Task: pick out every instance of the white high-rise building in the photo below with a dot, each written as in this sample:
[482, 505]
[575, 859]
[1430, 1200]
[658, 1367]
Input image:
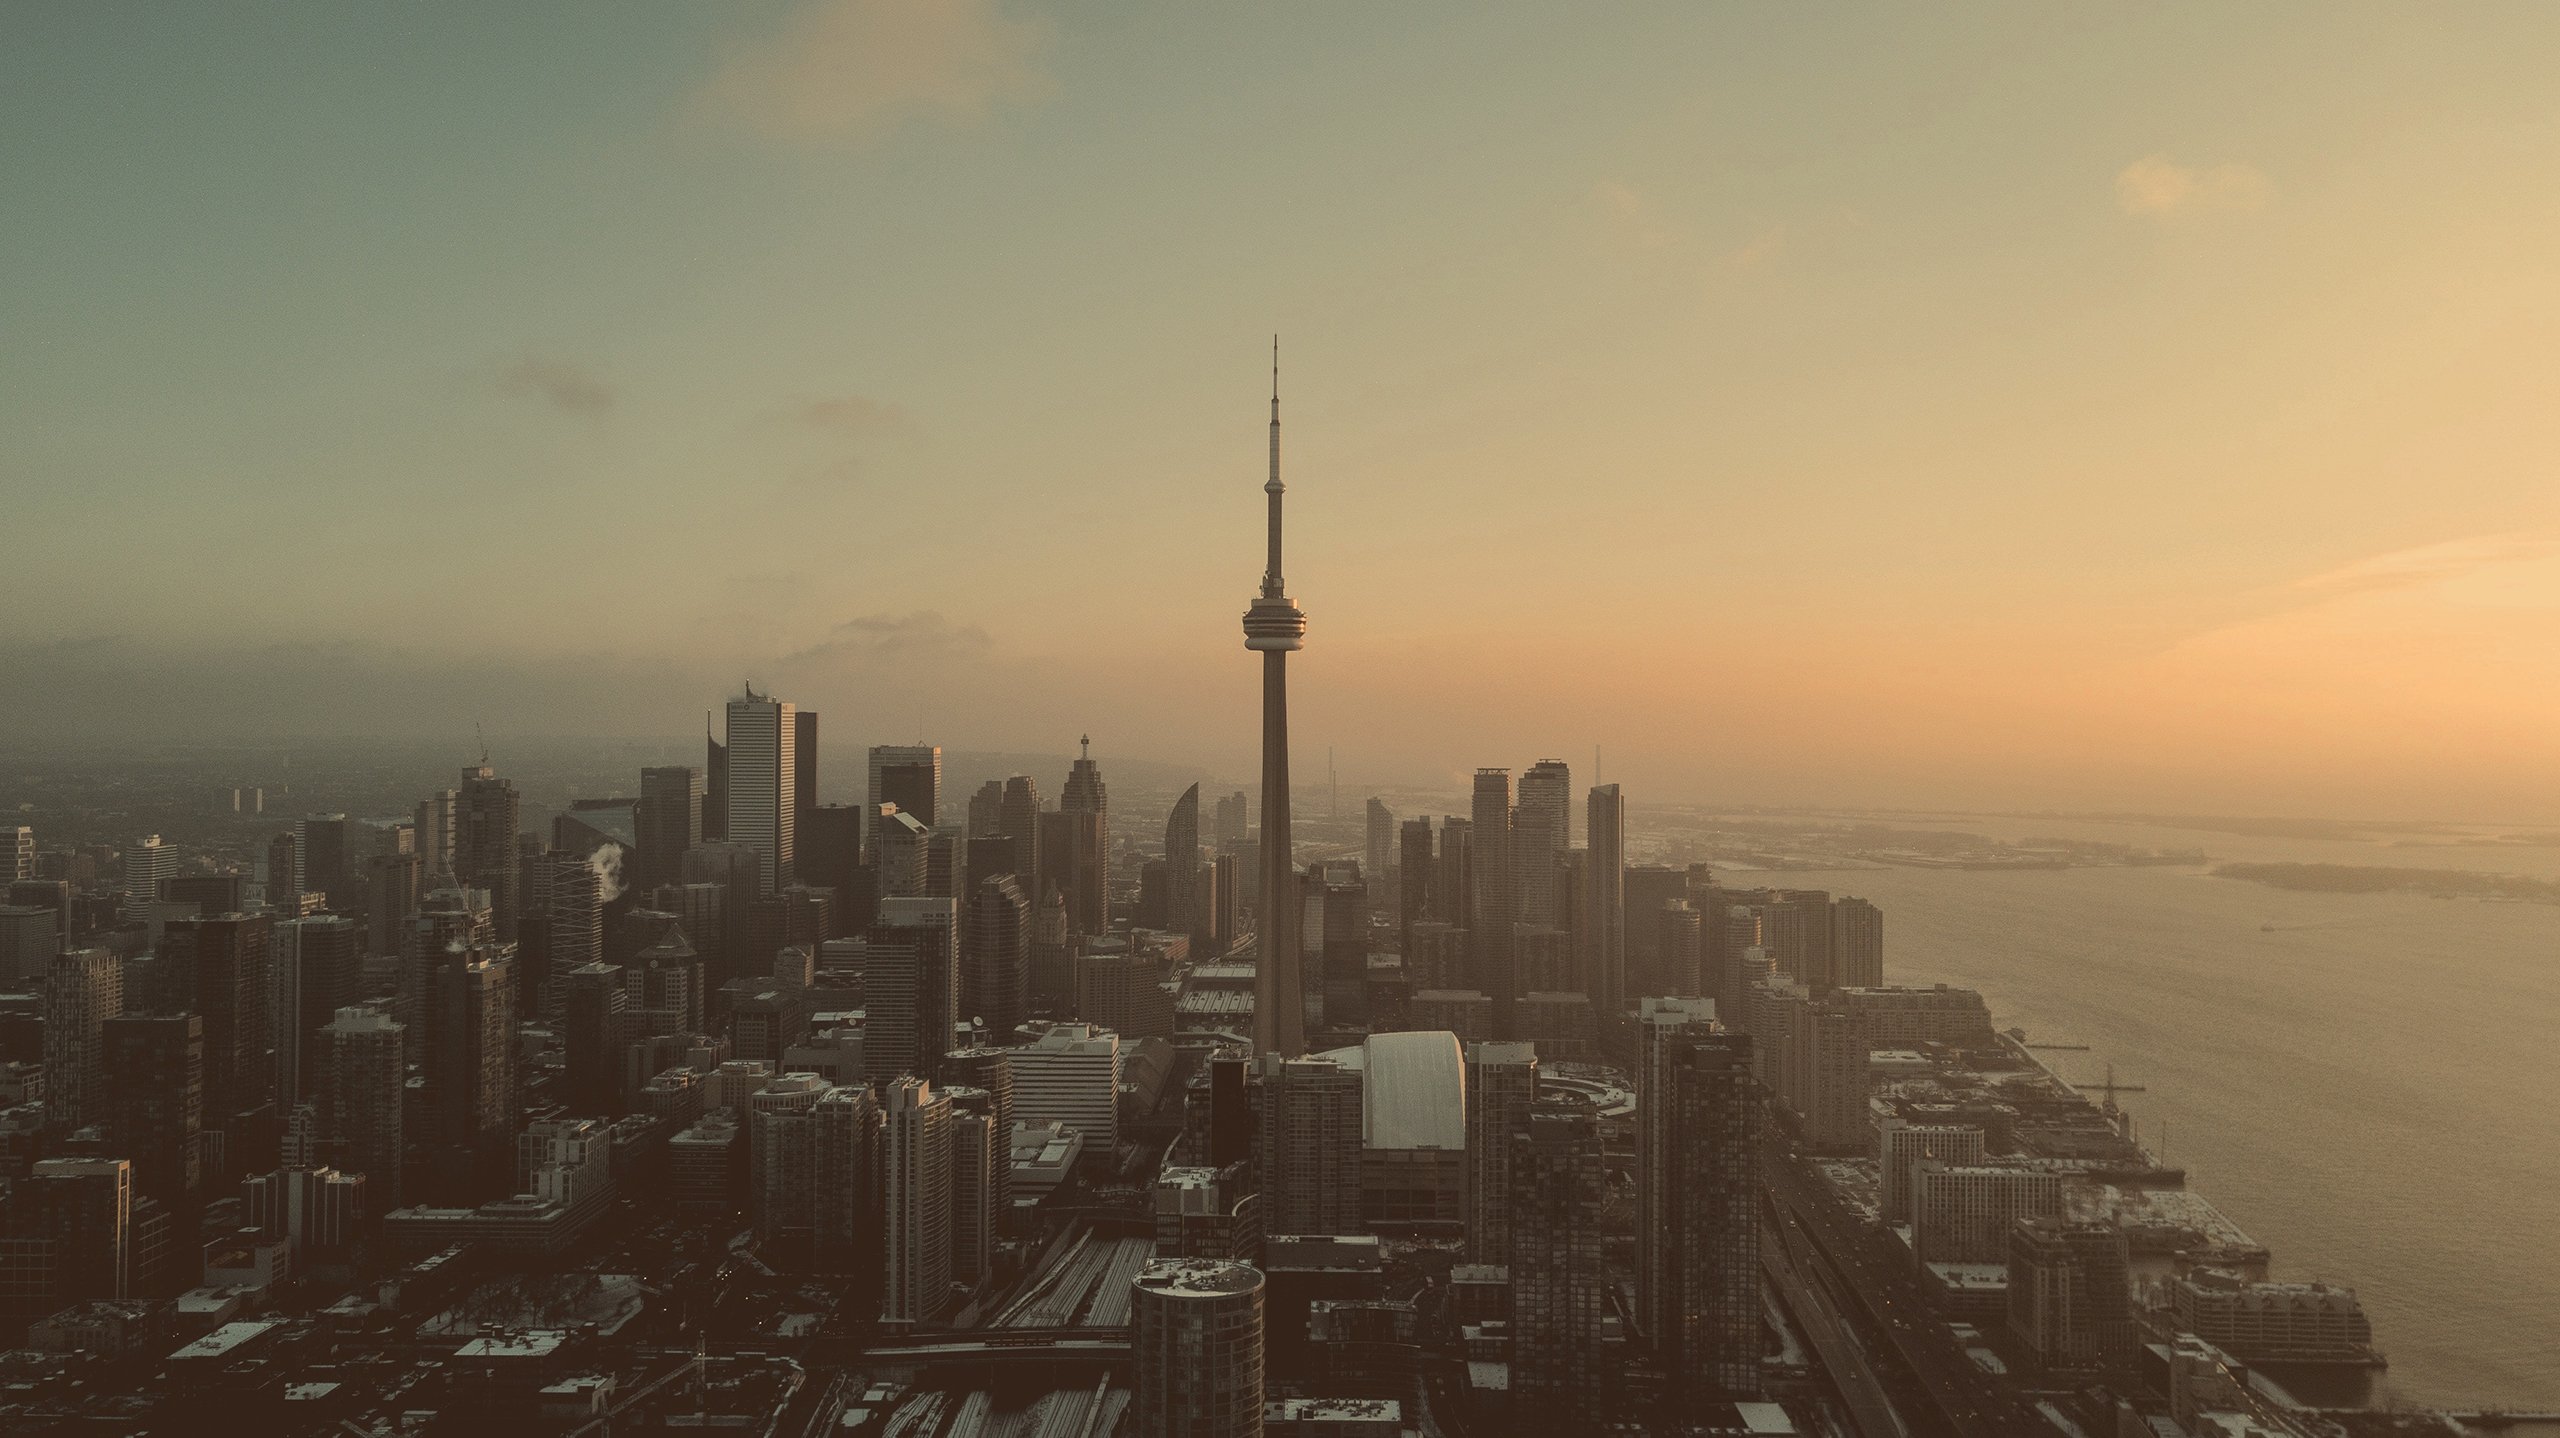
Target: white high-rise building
[146, 862]
[17, 852]
[761, 783]
[916, 1217]
[434, 836]
[1071, 1074]
[1901, 1145]
[1962, 1213]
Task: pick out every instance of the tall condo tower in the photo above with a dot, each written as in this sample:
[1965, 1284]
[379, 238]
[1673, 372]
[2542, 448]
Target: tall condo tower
[1273, 627]
[762, 780]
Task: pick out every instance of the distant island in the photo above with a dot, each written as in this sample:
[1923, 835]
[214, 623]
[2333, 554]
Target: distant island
[2361, 879]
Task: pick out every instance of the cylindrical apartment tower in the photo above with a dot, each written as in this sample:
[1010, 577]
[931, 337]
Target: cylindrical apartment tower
[1199, 1348]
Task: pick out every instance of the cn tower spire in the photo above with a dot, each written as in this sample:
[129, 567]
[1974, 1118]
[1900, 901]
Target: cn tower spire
[1272, 627]
[1272, 584]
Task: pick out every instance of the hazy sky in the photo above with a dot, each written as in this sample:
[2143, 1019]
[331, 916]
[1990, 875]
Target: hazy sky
[2148, 406]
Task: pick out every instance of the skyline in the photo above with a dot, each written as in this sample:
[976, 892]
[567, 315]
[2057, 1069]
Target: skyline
[1829, 435]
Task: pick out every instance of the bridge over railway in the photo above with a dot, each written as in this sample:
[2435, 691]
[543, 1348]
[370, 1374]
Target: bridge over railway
[978, 1347]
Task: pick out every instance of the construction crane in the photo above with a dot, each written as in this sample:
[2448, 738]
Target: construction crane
[2111, 1088]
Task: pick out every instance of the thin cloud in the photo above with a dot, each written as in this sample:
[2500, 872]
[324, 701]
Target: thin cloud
[851, 71]
[2158, 186]
[2430, 563]
[1631, 216]
[854, 415]
[922, 634]
[1756, 252]
[564, 386]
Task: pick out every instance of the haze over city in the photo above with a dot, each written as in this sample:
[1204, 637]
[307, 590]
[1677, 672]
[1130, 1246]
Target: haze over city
[2124, 409]
[980, 719]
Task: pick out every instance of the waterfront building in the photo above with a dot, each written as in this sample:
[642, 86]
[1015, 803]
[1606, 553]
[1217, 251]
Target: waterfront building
[1962, 1213]
[1900, 1145]
[2070, 1302]
[1857, 943]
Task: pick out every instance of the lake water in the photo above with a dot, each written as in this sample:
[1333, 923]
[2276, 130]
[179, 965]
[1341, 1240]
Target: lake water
[2369, 1084]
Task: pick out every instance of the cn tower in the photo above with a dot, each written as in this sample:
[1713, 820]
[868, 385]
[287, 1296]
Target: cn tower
[1274, 626]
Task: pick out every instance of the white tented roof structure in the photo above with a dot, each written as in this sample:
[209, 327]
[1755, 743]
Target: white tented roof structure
[1414, 1090]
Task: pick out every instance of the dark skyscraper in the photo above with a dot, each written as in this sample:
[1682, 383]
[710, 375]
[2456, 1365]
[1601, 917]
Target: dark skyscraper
[154, 1111]
[831, 858]
[393, 884]
[320, 965]
[1541, 827]
[804, 768]
[470, 1099]
[671, 801]
[1664, 1026]
[1086, 875]
[83, 989]
[358, 1084]
[1857, 944]
[1273, 626]
[995, 956]
[910, 988]
[325, 857]
[1605, 904]
[1231, 819]
[715, 784]
[1708, 1254]
[1559, 1284]
[1071, 853]
[1019, 820]
[1493, 911]
[224, 970]
[594, 1001]
[986, 810]
[909, 776]
[1182, 907]
[1414, 870]
[486, 817]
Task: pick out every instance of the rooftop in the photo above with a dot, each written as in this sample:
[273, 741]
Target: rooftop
[1415, 1096]
[1198, 1277]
